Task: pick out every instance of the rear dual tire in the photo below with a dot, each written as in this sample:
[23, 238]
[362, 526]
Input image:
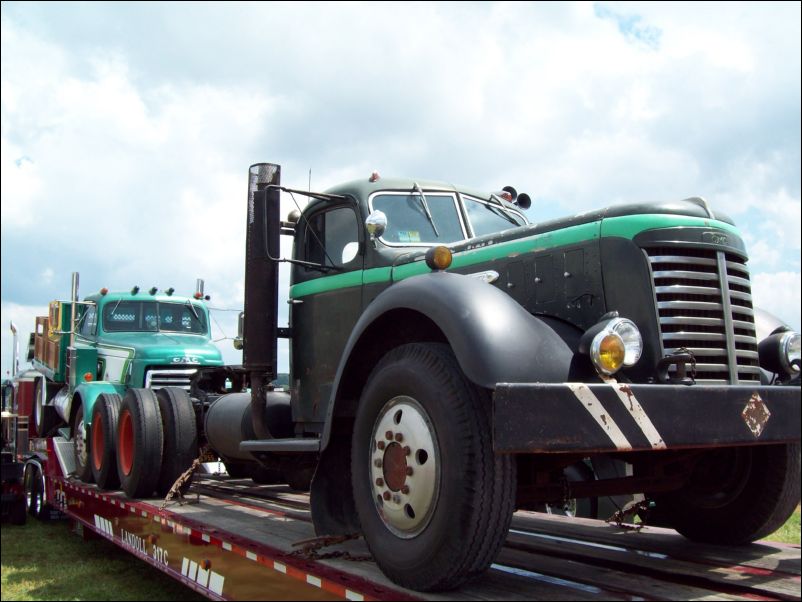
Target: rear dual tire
[157, 440]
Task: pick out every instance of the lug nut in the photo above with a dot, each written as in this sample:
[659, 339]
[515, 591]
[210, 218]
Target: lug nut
[377, 463]
[405, 490]
[399, 437]
[397, 499]
[380, 482]
[380, 445]
[386, 496]
[388, 435]
[409, 471]
[407, 450]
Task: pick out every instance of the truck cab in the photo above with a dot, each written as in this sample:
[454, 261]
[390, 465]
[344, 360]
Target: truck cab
[111, 342]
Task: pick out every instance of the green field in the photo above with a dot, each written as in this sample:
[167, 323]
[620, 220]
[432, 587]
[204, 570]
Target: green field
[42, 561]
[49, 562]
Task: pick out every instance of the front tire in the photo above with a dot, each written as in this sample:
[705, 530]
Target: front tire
[434, 501]
[105, 414]
[736, 496]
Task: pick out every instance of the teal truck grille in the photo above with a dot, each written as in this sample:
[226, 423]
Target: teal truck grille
[157, 378]
[704, 304]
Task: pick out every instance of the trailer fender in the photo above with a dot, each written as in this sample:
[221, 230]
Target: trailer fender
[493, 337]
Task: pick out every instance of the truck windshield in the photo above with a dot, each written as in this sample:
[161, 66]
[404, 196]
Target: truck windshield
[408, 222]
[487, 217]
[154, 316]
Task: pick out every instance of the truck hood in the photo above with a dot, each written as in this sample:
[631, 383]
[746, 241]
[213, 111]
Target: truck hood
[168, 348]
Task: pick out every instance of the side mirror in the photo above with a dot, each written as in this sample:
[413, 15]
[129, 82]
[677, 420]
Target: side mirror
[376, 224]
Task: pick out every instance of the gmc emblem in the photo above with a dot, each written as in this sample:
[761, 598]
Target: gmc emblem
[187, 359]
[716, 238]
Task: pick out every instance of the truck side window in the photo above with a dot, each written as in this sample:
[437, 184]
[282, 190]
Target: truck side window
[338, 231]
[89, 322]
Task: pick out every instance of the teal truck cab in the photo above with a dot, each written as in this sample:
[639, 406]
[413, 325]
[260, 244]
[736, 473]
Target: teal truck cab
[108, 343]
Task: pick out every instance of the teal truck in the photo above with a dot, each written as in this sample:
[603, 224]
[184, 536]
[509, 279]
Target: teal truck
[108, 343]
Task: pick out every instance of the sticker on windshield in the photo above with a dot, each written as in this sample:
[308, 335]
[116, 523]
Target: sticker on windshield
[408, 236]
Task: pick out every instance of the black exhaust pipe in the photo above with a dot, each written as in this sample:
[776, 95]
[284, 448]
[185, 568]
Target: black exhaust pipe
[260, 330]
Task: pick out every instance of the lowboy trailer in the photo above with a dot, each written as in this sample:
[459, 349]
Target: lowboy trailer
[231, 540]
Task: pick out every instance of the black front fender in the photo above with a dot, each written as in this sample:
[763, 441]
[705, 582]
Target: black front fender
[493, 338]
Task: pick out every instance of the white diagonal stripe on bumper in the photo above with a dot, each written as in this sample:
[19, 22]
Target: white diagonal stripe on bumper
[639, 415]
[594, 407]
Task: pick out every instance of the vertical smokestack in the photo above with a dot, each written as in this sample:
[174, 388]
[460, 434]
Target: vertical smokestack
[73, 307]
[199, 284]
[15, 361]
[259, 352]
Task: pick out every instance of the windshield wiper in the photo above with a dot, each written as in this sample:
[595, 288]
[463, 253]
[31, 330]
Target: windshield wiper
[501, 210]
[428, 213]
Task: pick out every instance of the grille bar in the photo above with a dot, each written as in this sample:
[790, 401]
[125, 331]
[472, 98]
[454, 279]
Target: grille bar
[704, 305]
[157, 379]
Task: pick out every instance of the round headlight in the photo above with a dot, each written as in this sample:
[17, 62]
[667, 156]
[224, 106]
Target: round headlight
[607, 352]
[790, 350]
[633, 341]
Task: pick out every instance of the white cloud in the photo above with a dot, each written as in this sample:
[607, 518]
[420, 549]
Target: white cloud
[126, 159]
[779, 293]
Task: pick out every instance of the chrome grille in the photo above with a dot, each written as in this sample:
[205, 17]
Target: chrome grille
[169, 377]
[704, 305]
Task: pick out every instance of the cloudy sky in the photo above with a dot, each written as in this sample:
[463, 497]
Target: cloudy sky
[127, 129]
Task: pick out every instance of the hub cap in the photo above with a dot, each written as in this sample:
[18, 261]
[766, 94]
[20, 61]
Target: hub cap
[80, 442]
[404, 466]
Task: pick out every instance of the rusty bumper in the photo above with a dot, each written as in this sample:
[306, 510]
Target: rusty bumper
[592, 418]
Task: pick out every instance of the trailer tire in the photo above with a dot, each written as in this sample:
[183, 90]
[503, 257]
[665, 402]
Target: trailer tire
[105, 416]
[736, 495]
[435, 522]
[180, 437]
[36, 499]
[139, 443]
[82, 452]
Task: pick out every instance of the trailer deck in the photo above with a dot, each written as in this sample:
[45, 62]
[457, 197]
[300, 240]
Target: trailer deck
[231, 539]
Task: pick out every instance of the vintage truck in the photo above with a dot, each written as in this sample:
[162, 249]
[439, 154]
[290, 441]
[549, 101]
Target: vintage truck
[449, 361]
[104, 345]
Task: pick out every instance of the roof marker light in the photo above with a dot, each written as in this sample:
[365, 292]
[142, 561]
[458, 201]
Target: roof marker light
[104, 291]
[153, 290]
[374, 176]
[170, 291]
[135, 290]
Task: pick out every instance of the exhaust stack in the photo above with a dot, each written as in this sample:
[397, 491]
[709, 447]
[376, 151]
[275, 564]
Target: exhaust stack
[260, 328]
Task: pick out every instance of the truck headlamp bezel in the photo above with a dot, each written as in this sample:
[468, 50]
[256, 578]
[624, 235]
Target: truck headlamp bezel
[613, 343]
[790, 351]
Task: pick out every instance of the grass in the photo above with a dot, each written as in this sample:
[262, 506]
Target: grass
[789, 532]
[48, 562]
[44, 561]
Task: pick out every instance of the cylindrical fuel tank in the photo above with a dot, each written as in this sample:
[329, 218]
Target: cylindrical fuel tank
[229, 422]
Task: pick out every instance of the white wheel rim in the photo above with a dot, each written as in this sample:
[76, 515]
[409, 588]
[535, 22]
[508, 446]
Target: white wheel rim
[80, 442]
[404, 467]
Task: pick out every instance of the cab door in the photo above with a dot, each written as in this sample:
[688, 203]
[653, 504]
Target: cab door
[324, 305]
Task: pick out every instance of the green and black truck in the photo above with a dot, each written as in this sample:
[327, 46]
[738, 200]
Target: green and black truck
[449, 361]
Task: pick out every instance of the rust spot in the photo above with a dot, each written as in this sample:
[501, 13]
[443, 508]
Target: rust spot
[756, 414]
[395, 467]
[628, 390]
[603, 418]
[206, 564]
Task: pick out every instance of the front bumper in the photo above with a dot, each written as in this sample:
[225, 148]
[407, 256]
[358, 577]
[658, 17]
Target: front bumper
[597, 418]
